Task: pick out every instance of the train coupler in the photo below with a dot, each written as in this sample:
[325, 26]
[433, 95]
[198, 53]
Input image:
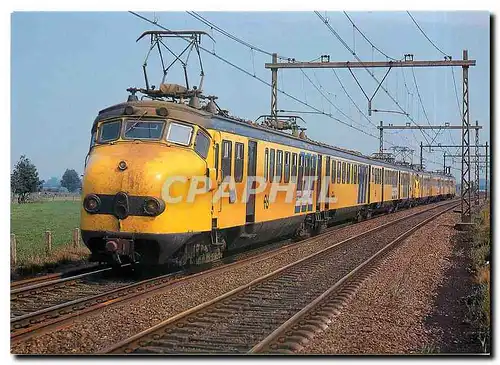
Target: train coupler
[119, 247]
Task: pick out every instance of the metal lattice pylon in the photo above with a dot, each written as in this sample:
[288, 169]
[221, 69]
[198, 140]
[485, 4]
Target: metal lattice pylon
[465, 181]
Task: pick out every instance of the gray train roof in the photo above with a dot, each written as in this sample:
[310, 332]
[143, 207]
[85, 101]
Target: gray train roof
[275, 136]
[247, 129]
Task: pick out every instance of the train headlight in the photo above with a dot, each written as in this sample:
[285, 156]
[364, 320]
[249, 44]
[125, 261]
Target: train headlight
[92, 203]
[153, 206]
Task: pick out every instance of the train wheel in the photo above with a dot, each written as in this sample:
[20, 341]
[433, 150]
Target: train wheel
[359, 216]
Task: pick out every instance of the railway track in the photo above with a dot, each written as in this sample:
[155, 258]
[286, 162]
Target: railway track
[39, 320]
[17, 284]
[281, 310]
[27, 300]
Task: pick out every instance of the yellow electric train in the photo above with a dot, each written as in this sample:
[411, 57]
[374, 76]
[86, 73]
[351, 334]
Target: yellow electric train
[136, 146]
[169, 180]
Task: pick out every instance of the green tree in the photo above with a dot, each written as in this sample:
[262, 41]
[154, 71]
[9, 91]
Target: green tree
[53, 182]
[71, 180]
[24, 179]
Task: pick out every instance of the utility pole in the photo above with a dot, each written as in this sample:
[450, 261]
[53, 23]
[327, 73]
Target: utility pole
[408, 61]
[486, 175]
[465, 181]
[274, 89]
[421, 156]
[381, 138]
[476, 169]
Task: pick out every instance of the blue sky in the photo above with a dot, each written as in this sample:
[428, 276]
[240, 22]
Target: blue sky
[65, 67]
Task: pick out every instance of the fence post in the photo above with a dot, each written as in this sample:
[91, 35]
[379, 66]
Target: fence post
[13, 250]
[48, 242]
[76, 237]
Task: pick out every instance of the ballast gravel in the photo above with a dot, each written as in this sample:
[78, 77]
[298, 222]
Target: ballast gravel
[387, 314]
[95, 333]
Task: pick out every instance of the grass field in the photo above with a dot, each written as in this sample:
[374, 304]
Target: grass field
[30, 221]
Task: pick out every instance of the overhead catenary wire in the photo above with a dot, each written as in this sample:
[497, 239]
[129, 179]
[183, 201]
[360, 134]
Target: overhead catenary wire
[425, 35]
[213, 53]
[368, 40]
[452, 70]
[231, 36]
[253, 47]
[332, 30]
[327, 99]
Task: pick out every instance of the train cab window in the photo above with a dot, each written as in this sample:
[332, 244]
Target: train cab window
[271, 165]
[239, 153]
[135, 129]
[92, 139]
[334, 171]
[109, 131]
[201, 144]
[294, 167]
[344, 168]
[179, 133]
[339, 171]
[301, 173]
[266, 164]
[286, 171]
[227, 147]
[279, 165]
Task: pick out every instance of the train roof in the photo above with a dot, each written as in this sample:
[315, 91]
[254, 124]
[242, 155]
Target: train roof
[246, 128]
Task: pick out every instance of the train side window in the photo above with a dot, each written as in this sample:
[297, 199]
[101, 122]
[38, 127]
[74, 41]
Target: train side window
[327, 168]
[239, 153]
[339, 171]
[271, 165]
[227, 151]
[287, 167]
[294, 167]
[334, 171]
[307, 165]
[201, 144]
[266, 164]
[348, 173]
[279, 165]
[312, 172]
[216, 164]
[355, 174]
[301, 173]
[344, 168]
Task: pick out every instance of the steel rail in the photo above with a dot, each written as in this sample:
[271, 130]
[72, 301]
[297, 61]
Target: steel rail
[279, 336]
[23, 289]
[132, 343]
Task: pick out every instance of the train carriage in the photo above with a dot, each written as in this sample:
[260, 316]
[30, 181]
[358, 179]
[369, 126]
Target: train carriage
[138, 145]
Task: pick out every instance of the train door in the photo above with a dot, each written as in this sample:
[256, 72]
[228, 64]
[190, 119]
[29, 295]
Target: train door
[382, 177]
[327, 182]
[369, 176]
[318, 184]
[362, 184]
[251, 183]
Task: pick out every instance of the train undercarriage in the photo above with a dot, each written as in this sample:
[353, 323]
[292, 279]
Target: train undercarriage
[197, 248]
